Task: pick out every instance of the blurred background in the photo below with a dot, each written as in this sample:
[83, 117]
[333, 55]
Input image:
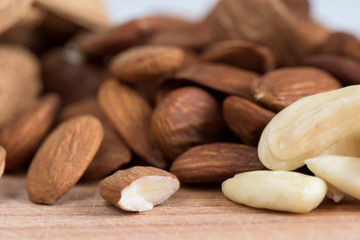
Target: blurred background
[337, 15]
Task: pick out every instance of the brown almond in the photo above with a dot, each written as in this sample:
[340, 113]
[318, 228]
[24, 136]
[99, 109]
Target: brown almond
[226, 79]
[281, 87]
[19, 80]
[2, 160]
[63, 158]
[241, 54]
[113, 153]
[138, 188]
[130, 114]
[22, 135]
[346, 70]
[11, 11]
[145, 63]
[301, 8]
[68, 75]
[245, 119]
[215, 162]
[186, 117]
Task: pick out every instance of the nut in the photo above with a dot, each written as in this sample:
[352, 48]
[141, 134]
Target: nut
[138, 188]
[63, 158]
[2, 160]
[130, 115]
[308, 127]
[276, 190]
[280, 88]
[215, 162]
[186, 117]
[11, 11]
[226, 79]
[245, 119]
[145, 63]
[346, 146]
[22, 136]
[340, 171]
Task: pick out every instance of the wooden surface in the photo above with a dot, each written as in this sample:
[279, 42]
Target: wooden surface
[198, 212]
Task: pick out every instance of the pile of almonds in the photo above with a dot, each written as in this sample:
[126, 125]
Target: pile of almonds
[160, 100]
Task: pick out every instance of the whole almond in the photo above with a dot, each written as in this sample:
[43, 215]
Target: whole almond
[113, 153]
[11, 11]
[138, 188]
[2, 160]
[19, 88]
[63, 158]
[130, 114]
[241, 54]
[226, 79]
[346, 70]
[21, 136]
[186, 117]
[215, 162]
[279, 88]
[145, 63]
[245, 119]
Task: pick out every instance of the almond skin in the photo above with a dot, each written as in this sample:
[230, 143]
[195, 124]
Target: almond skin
[145, 63]
[130, 115]
[226, 79]
[2, 160]
[63, 158]
[113, 153]
[215, 162]
[112, 188]
[21, 136]
[186, 117]
[241, 54]
[281, 87]
[245, 119]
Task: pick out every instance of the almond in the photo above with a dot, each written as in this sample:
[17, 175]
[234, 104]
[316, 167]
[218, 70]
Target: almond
[63, 158]
[2, 160]
[226, 79]
[130, 114]
[245, 119]
[21, 136]
[281, 87]
[301, 8]
[145, 63]
[186, 117]
[19, 88]
[138, 188]
[241, 54]
[215, 162]
[113, 153]
[11, 11]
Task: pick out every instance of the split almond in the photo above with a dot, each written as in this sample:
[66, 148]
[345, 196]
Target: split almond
[113, 153]
[186, 117]
[138, 188]
[145, 63]
[241, 54]
[215, 162]
[63, 158]
[2, 160]
[245, 119]
[21, 136]
[226, 79]
[280, 88]
[130, 114]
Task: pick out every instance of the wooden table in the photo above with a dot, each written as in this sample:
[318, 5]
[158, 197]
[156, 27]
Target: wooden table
[197, 212]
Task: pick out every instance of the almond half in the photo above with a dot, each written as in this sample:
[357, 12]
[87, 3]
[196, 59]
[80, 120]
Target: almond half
[138, 188]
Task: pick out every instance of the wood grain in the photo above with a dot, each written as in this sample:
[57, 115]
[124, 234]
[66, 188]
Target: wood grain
[199, 212]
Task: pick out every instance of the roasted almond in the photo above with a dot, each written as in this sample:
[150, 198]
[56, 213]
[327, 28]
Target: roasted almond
[241, 54]
[130, 114]
[245, 119]
[226, 79]
[215, 162]
[113, 153]
[145, 63]
[347, 71]
[2, 160]
[279, 88]
[138, 188]
[19, 88]
[63, 158]
[11, 11]
[186, 117]
[22, 135]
